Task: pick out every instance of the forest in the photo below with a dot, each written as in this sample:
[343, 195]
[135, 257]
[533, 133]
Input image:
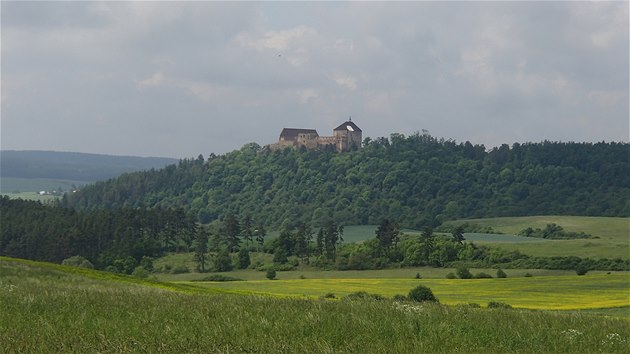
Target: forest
[35, 231]
[221, 207]
[126, 240]
[417, 180]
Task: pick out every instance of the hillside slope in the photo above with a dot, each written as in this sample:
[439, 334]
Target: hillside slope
[73, 165]
[417, 180]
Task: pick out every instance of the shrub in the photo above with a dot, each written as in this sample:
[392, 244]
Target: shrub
[581, 270]
[464, 273]
[329, 296]
[140, 272]
[218, 277]
[399, 298]
[78, 261]
[470, 305]
[302, 276]
[147, 263]
[451, 275]
[271, 274]
[482, 275]
[362, 295]
[283, 267]
[528, 275]
[421, 293]
[418, 276]
[180, 270]
[498, 305]
[501, 273]
[222, 262]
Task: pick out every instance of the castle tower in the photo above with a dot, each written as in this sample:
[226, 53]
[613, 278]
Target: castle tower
[348, 135]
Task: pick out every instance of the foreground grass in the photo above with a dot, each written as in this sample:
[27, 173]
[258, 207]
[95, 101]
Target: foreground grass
[50, 310]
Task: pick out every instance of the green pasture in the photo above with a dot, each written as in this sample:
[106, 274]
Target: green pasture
[50, 308]
[543, 293]
[606, 228]
[612, 236]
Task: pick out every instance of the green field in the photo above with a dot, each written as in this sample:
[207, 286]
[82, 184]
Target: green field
[51, 308]
[544, 293]
[612, 236]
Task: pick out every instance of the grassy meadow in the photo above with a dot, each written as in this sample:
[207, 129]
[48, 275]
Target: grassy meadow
[612, 236]
[544, 293]
[60, 309]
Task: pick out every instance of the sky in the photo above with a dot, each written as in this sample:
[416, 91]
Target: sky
[179, 79]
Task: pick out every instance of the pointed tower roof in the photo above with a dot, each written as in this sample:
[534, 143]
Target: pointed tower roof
[348, 126]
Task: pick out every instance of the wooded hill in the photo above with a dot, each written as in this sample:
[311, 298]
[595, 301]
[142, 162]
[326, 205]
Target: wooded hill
[418, 180]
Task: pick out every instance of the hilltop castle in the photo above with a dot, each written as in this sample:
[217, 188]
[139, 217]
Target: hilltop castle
[344, 137]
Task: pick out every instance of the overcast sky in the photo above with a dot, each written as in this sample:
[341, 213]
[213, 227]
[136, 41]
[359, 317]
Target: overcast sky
[178, 79]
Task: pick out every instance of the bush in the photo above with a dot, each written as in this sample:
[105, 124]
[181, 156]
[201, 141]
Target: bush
[140, 272]
[329, 296]
[501, 273]
[78, 261]
[222, 262]
[271, 274]
[180, 270]
[418, 276]
[470, 305]
[528, 275]
[362, 295]
[421, 293]
[482, 275]
[218, 277]
[399, 298]
[302, 276]
[581, 270]
[498, 305]
[451, 275]
[147, 263]
[464, 273]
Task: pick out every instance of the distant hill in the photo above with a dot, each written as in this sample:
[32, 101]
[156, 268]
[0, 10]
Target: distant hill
[417, 180]
[73, 165]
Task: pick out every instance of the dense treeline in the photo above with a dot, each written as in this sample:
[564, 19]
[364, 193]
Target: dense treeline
[418, 180]
[121, 240]
[391, 248]
[35, 231]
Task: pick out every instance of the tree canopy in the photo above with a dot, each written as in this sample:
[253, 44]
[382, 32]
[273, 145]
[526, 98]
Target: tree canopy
[418, 180]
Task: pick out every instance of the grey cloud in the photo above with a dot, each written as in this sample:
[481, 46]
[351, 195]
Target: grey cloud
[178, 79]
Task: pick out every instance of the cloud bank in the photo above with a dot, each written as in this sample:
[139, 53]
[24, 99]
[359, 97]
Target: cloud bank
[180, 79]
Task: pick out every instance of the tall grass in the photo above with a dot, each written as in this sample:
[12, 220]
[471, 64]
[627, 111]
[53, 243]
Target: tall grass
[50, 310]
